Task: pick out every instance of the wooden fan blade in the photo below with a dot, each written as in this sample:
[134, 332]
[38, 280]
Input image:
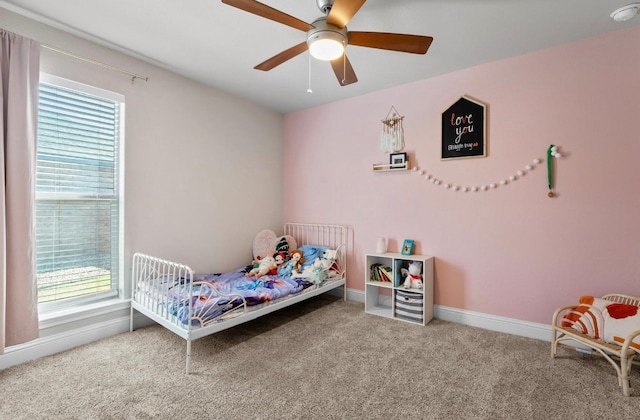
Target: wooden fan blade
[416, 44]
[343, 70]
[343, 11]
[285, 55]
[265, 11]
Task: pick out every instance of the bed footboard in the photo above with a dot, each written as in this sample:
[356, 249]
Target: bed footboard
[157, 283]
[153, 281]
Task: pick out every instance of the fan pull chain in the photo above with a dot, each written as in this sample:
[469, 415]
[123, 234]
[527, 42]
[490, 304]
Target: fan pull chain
[309, 88]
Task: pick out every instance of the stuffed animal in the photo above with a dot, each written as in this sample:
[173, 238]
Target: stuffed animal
[329, 258]
[413, 275]
[294, 263]
[317, 272]
[265, 265]
[313, 273]
[279, 258]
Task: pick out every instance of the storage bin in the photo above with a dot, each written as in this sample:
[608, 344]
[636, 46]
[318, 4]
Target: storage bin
[409, 306]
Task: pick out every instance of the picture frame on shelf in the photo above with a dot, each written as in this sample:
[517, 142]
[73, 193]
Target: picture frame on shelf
[407, 247]
[397, 160]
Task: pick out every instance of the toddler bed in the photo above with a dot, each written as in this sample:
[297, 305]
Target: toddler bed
[196, 305]
[609, 326]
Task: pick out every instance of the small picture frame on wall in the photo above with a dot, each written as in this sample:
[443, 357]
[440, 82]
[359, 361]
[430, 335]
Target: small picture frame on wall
[397, 160]
[407, 247]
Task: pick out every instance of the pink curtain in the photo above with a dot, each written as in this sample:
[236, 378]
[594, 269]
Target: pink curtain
[20, 72]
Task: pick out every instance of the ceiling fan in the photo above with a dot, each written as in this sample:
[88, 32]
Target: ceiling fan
[327, 36]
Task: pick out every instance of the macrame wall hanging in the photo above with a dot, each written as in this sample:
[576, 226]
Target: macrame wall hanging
[392, 136]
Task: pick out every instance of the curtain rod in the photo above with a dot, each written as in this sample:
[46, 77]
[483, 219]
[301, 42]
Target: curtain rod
[134, 76]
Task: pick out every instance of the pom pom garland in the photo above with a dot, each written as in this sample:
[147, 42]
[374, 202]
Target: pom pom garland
[554, 152]
[487, 187]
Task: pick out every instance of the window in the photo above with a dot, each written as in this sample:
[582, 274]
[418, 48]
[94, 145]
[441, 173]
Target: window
[78, 194]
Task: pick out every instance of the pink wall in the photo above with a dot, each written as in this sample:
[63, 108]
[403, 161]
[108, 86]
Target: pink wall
[511, 251]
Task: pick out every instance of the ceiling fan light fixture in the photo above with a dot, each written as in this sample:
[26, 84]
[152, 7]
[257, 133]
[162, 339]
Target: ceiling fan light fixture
[625, 12]
[325, 41]
[326, 46]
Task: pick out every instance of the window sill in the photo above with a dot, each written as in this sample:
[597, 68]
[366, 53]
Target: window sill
[69, 315]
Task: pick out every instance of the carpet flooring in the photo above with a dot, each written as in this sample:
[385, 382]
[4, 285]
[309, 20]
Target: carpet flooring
[320, 359]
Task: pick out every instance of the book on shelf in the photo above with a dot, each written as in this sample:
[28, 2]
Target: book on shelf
[375, 274]
[380, 272]
[399, 266]
[385, 273]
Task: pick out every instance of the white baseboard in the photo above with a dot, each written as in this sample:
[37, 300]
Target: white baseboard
[56, 343]
[67, 340]
[494, 323]
[477, 319]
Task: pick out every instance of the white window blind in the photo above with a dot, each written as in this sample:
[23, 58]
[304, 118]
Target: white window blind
[77, 195]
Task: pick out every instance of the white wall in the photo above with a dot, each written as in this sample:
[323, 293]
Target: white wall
[203, 169]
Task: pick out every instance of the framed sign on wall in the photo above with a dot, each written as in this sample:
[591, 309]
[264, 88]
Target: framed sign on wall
[463, 130]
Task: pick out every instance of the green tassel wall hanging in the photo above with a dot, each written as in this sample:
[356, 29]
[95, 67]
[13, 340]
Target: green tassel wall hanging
[552, 152]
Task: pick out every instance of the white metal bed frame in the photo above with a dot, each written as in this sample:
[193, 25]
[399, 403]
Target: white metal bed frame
[149, 292]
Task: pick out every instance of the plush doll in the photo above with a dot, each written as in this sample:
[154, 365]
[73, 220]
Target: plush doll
[282, 247]
[279, 259]
[313, 273]
[294, 263]
[318, 271]
[413, 275]
[265, 265]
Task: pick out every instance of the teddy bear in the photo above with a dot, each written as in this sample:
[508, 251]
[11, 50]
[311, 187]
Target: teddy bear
[413, 275]
[317, 272]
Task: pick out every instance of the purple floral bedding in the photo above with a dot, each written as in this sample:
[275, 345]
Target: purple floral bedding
[207, 305]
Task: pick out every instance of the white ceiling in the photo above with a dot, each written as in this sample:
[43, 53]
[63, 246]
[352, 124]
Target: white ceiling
[219, 45]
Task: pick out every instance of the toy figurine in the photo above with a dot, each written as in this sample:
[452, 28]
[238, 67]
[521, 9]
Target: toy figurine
[413, 275]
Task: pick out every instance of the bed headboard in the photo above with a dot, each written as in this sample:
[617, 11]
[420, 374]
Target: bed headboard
[333, 236]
